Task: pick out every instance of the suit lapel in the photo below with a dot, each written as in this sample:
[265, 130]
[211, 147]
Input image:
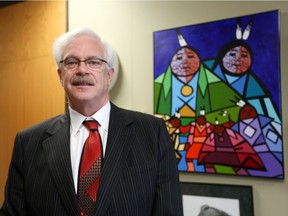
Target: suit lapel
[57, 151]
[118, 144]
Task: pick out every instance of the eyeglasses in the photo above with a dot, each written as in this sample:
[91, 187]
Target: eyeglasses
[92, 63]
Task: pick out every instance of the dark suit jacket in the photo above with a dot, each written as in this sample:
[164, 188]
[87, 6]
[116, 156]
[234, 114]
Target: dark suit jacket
[139, 175]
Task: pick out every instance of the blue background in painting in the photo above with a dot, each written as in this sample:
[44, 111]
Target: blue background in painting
[209, 38]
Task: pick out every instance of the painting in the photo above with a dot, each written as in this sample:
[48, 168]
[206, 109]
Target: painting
[217, 86]
[202, 199]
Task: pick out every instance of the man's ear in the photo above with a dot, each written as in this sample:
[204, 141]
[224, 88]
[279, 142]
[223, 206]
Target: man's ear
[60, 77]
[110, 74]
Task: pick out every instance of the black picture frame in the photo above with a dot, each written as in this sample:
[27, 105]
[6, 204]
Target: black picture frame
[242, 193]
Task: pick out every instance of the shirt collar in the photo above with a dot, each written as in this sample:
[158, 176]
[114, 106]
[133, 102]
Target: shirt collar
[102, 116]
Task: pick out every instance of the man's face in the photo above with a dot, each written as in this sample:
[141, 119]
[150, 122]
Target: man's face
[83, 85]
[237, 60]
[185, 63]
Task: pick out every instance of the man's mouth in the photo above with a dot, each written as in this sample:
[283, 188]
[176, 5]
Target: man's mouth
[82, 84]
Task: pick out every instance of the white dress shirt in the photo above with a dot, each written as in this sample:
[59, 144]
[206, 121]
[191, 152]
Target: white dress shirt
[78, 135]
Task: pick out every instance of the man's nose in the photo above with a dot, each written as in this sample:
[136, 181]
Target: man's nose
[82, 66]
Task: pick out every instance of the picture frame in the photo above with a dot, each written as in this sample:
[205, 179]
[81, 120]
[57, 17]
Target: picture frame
[205, 78]
[227, 199]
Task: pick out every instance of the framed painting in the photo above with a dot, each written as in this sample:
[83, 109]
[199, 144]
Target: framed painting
[217, 86]
[201, 199]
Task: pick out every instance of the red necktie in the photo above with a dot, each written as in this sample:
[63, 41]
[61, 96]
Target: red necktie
[90, 169]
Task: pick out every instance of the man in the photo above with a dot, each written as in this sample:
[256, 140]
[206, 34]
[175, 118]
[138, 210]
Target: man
[138, 167]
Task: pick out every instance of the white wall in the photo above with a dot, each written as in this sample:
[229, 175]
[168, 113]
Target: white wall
[129, 25]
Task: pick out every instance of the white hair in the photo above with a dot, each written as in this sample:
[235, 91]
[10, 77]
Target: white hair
[61, 43]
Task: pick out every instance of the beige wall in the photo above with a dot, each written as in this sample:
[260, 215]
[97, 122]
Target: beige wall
[129, 27]
[28, 72]
[29, 88]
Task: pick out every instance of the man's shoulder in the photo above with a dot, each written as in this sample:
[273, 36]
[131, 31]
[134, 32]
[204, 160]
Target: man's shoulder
[55, 121]
[133, 115]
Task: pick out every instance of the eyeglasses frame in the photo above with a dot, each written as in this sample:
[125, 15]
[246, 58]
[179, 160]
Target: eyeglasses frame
[83, 60]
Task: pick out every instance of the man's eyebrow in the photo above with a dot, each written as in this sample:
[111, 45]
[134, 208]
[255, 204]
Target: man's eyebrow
[71, 56]
[95, 57]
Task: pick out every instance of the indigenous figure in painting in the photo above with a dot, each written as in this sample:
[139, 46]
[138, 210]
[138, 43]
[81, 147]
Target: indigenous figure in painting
[234, 66]
[227, 152]
[265, 138]
[198, 132]
[177, 88]
[172, 125]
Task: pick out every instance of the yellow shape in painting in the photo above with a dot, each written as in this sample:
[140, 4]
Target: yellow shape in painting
[186, 90]
[171, 130]
[187, 111]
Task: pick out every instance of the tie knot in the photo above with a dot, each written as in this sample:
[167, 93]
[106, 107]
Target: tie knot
[91, 124]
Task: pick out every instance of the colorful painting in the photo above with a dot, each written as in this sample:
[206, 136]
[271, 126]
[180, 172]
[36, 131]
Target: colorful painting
[217, 86]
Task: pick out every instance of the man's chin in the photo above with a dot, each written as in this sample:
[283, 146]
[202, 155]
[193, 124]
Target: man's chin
[81, 96]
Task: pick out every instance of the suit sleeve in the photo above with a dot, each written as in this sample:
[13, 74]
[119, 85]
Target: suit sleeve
[14, 201]
[168, 198]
